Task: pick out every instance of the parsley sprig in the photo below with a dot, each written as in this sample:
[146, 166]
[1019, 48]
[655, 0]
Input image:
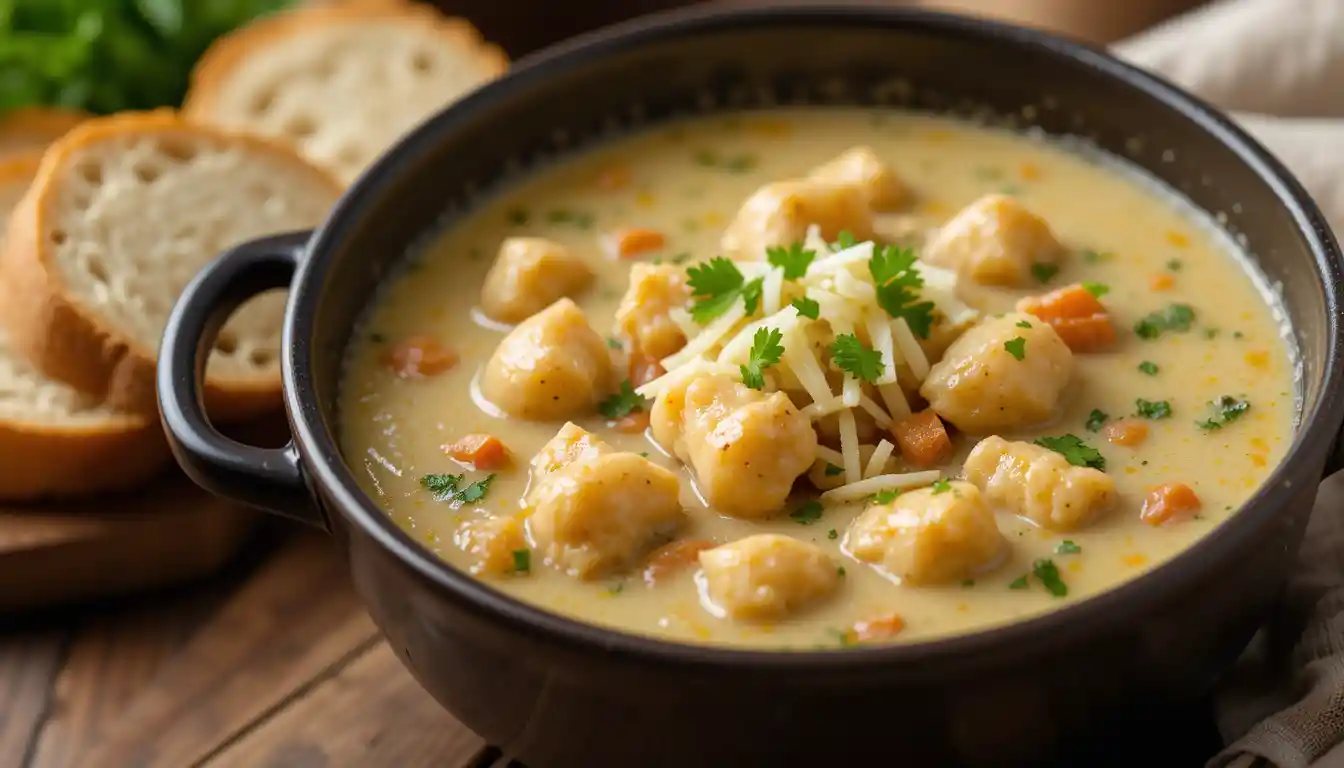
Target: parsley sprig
[766, 350]
[715, 285]
[444, 487]
[622, 403]
[1077, 452]
[1175, 317]
[850, 355]
[794, 260]
[1225, 410]
[898, 283]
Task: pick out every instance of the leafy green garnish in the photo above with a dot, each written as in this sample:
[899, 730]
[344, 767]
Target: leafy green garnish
[1077, 452]
[522, 561]
[794, 260]
[1096, 420]
[474, 492]
[579, 219]
[1148, 367]
[1043, 272]
[941, 485]
[441, 485]
[1067, 547]
[614, 343]
[1225, 410]
[715, 285]
[849, 354]
[622, 403]
[832, 534]
[844, 240]
[766, 350]
[808, 513]
[1096, 289]
[1096, 257]
[885, 497]
[518, 216]
[1176, 317]
[832, 470]
[1022, 324]
[738, 163]
[1019, 583]
[1046, 571]
[1152, 409]
[1016, 346]
[806, 307]
[1174, 265]
[898, 283]
[1210, 333]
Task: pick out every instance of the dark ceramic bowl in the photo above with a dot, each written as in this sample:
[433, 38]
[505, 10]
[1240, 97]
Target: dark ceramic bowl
[556, 692]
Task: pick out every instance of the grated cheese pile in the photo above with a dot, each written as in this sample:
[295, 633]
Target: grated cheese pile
[847, 302]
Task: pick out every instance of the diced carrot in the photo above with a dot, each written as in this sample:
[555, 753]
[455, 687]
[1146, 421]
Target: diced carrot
[643, 369]
[614, 178]
[1029, 172]
[881, 628]
[419, 356]
[1071, 301]
[922, 439]
[1127, 432]
[1169, 502]
[1177, 239]
[632, 423]
[480, 451]
[1162, 281]
[670, 559]
[635, 241]
[1085, 334]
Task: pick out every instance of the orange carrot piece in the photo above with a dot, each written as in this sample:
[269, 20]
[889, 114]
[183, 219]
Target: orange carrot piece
[1169, 502]
[1162, 281]
[1029, 172]
[481, 451]
[632, 423]
[643, 369]
[1086, 334]
[1071, 301]
[881, 628]
[635, 241]
[922, 438]
[670, 559]
[614, 178]
[419, 356]
[1127, 432]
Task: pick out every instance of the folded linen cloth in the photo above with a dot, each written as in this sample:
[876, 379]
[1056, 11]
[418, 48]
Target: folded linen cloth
[1278, 66]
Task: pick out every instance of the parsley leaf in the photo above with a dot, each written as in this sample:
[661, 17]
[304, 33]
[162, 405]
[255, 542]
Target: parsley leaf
[808, 513]
[1176, 317]
[832, 534]
[715, 285]
[1148, 367]
[885, 497]
[622, 403]
[794, 260]
[832, 470]
[1022, 324]
[1077, 452]
[849, 354]
[1152, 409]
[1174, 265]
[1096, 420]
[898, 283]
[522, 561]
[751, 294]
[1096, 289]
[1043, 272]
[1019, 583]
[766, 350]
[941, 485]
[1095, 257]
[580, 219]
[442, 486]
[806, 307]
[1226, 409]
[474, 492]
[1067, 547]
[1046, 571]
[614, 343]
[844, 240]
[1016, 346]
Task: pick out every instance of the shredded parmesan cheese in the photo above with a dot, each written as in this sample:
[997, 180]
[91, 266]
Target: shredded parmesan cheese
[872, 485]
[880, 416]
[910, 349]
[894, 398]
[879, 335]
[710, 336]
[878, 461]
[849, 447]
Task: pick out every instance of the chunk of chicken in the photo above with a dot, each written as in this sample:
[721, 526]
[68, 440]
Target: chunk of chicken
[491, 543]
[600, 513]
[552, 366]
[572, 443]
[1039, 484]
[528, 275]
[766, 576]
[981, 385]
[994, 241]
[644, 316]
[746, 447]
[929, 536]
[861, 166]
[780, 213]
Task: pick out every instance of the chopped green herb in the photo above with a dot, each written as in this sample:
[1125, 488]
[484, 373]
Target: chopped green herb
[1077, 452]
[1044, 272]
[1016, 346]
[1148, 367]
[565, 216]
[1210, 333]
[715, 285]
[1238, 335]
[680, 258]
[1019, 583]
[1096, 289]
[614, 343]
[840, 571]
[518, 217]
[1096, 257]
[1176, 317]
[1096, 420]
[1022, 324]
[1067, 547]
[941, 485]
[968, 583]
[1174, 265]
[832, 470]
[377, 338]
[808, 513]
[645, 454]
[898, 283]
[1046, 571]
[844, 637]
[616, 589]
[622, 403]
[1225, 410]
[844, 240]
[885, 497]
[522, 561]
[794, 260]
[442, 485]
[1152, 409]
[849, 354]
[832, 534]
[766, 350]
[474, 492]
[806, 307]
[738, 163]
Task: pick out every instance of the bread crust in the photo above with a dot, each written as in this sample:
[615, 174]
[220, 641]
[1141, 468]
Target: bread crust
[71, 343]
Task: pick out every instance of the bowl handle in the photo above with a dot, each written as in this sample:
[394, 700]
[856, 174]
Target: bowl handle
[268, 478]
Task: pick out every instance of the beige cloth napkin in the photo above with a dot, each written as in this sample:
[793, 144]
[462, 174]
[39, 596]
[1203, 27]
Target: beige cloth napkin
[1278, 65]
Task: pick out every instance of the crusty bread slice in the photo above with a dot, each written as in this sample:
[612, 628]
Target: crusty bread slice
[54, 440]
[32, 129]
[124, 211]
[341, 82]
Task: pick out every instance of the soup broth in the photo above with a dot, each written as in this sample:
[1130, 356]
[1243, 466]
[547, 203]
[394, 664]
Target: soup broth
[1178, 395]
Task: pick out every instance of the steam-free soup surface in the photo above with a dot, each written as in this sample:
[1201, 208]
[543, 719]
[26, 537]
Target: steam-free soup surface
[1139, 393]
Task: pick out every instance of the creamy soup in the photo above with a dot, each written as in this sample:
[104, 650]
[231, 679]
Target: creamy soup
[814, 378]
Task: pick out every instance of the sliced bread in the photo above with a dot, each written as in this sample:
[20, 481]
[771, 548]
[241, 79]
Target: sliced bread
[341, 82]
[123, 212]
[54, 440]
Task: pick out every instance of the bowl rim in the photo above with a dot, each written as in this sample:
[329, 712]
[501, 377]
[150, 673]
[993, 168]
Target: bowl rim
[1035, 635]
